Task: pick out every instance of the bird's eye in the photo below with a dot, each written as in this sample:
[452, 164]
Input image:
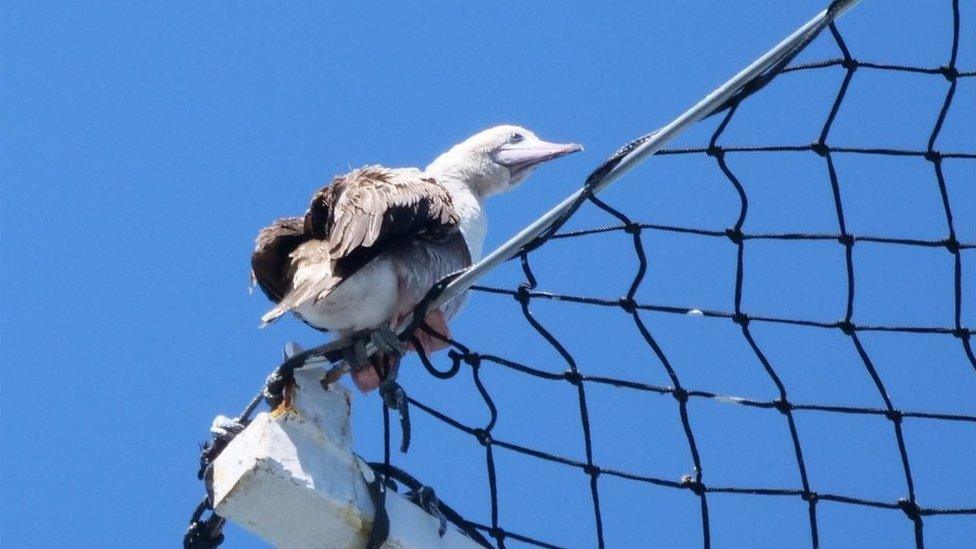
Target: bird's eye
[516, 138]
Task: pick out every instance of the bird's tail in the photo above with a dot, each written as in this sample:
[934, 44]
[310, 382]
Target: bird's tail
[274, 314]
[306, 292]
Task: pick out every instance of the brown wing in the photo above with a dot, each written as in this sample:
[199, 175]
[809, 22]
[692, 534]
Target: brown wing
[363, 212]
[359, 216]
[270, 263]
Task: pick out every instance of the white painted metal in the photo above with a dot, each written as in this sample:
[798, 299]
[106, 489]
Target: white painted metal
[294, 481]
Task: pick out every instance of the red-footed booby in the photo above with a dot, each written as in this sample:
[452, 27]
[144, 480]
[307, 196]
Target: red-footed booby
[375, 240]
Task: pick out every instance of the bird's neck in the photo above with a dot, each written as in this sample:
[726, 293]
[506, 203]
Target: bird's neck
[469, 206]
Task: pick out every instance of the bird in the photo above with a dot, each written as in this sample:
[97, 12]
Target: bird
[374, 241]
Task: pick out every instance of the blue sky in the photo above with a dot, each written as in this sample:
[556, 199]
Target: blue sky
[144, 145]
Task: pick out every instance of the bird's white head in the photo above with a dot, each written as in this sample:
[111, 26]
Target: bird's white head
[497, 159]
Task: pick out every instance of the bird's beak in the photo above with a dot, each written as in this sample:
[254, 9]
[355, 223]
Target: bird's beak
[531, 152]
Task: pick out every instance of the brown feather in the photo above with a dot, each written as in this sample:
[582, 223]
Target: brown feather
[359, 216]
[270, 260]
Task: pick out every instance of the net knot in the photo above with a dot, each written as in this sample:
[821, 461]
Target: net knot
[961, 333]
[950, 73]
[894, 415]
[632, 228]
[484, 437]
[812, 497]
[573, 377]
[695, 486]
[819, 147]
[849, 63]
[846, 326]
[715, 151]
[741, 319]
[846, 239]
[592, 470]
[628, 304]
[910, 508]
[734, 234]
[951, 244]
[395, 398]
[933, 156]
[679, 394]
[523, 294]
[784, 406]
[497, 533]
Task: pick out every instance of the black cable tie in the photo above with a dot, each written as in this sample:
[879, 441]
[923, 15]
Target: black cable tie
[380, 531]
[425, 498]
[390, 472]
[208, 453]
[208, 484]
[395, 398]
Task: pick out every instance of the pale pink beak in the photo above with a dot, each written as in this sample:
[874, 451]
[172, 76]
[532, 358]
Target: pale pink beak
[521, 156]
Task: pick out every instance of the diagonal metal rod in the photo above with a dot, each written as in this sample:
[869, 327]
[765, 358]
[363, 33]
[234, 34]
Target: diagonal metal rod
[654, 143]
[660, 138]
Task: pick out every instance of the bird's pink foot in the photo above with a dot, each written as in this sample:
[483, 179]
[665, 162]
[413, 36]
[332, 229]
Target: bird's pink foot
[368, 379]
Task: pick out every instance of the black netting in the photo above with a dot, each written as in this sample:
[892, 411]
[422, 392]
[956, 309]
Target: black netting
[527, 292]
[462, 359]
